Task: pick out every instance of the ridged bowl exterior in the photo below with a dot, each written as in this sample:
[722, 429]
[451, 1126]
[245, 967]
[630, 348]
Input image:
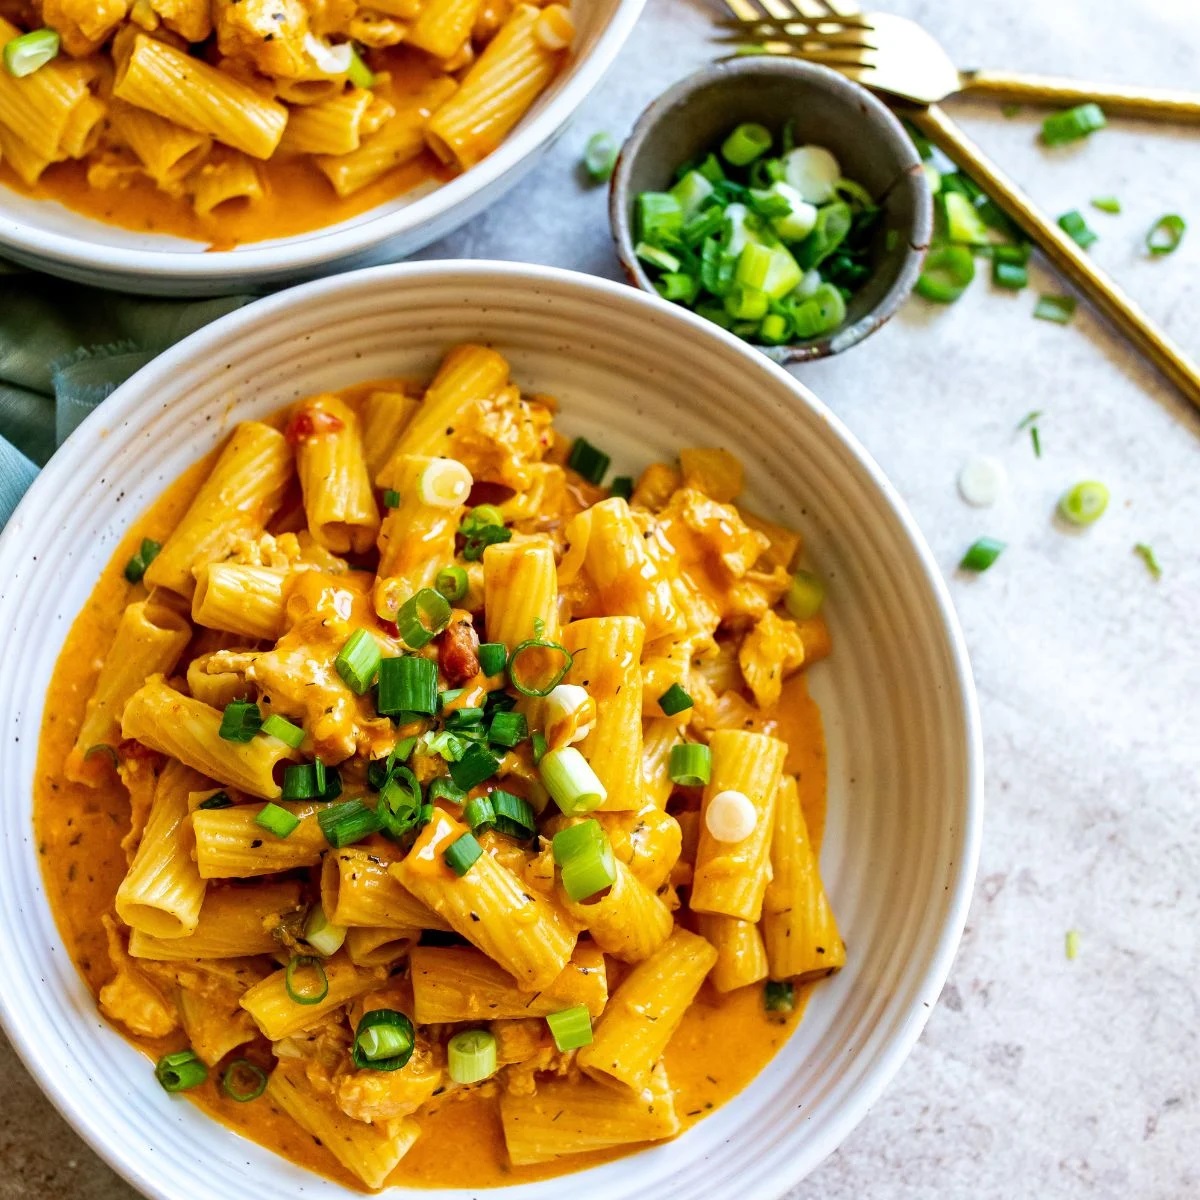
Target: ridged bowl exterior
[641, 378]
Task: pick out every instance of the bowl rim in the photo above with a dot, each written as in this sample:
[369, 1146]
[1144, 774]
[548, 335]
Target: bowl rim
[320, 248]
[121, 409]
[721, 73]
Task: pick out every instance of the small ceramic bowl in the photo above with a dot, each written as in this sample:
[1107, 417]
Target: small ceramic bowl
[826, 109]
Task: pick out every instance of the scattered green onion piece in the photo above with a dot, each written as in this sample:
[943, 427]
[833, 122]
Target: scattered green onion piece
[399, 807]
[471, 1056]
[746, 143]
[358, 72]
[391, 498]
[600, 157]
[322, 934]
[180, 1071]
[422, 617]
[774, 330]
[1072, 124]
[1165, 234]
[479, 814]
[1071, 944]
[1077, 229]
[963, 223]
[444, 788]
[484, 514]
[540, 746]
[304, 781]
[779, 997]
[533, 648]
[571, 1028]
[462, 854]
[674, 700]
[692, 192]
[981, 554]
[383, 1041]
[136, 567]
[30, 52]
[477, 765]
[1059, 309]
[105, 749]
[452, 583]
[571, 781]
[514, 815]
[216, 800]
[621, 486]
[407, 685]
[746, 304]
[464, 718]
[448, 697]
[300, 992]
[678, 287]
[1011, 276]
[1147, 555]
[276, 820]
[358, 661]
[947, 274]
[1108, 204]
[493, 658]
[443, 742]
[508, 729]
[1084, 504]
[349, 822]
[1035, 438]
[283, 729]
[690, 764]
[482, 527]
[243, 1081]
[587, 461]
[659, 217]
[240, 721]
[585, 858]
[805, 595]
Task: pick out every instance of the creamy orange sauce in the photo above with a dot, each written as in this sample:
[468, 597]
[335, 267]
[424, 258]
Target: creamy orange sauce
[723, 1043]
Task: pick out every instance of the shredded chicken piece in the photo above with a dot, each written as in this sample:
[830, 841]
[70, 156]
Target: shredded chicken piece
[130, 997]
[770, 652]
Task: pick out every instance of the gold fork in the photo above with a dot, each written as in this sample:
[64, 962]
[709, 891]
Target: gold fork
[833, 33]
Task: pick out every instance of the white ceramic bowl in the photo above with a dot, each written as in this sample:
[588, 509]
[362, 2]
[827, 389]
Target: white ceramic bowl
[48, 237]
[642, 378]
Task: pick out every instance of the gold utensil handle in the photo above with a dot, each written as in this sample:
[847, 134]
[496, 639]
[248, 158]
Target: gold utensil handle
[1126, 315]
[1152, 104]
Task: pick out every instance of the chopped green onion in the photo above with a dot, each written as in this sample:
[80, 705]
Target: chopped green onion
[1059, 309]
[659, 217]
[464, 718]
[1165, 234]
[135, 568]
[692, 191]
[963, 223]
[462, 854]
[1147, 555]
[1077, 229]
[30, 52]
[981, 554]
[443, 742]
[585, 858]
[391, 498]
[448, 697]
[746, 143]
[1084, 503]
[407, 685]
[322, 934]
[358, 661]
[240, 721]
[243, 1081]
[779, 997]
[570, 780]
[532, 649]
[947, 274]
[514, 815]
[493, 658]
[1009, 110]
[216, 800]
[678, 287]
[1012, 276]
[452, 583]
[774, 330]
[180, 1071]
[600, 157]
[477, 765]
[690, 764]
[483, 515]
[305, 979]
[349, 822]
[805, 595]
[276, 820]
[105, 749]
[1071, 944]
[358, 72]
[621, 486]
[571, 1028]
[746, 304]
[304, 781]
[482, 527]
[508, 729]
[444, 788]
[383, 1041]
[399, 807]
[1108, 204]
[587, 461]
[540, 746]
[471, 1056]
[674, 700]
[479, 813]
[1072, 124]
[280, 727]
[422, 617]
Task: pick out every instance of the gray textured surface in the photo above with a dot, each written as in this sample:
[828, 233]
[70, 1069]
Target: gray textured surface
[1036, 1076]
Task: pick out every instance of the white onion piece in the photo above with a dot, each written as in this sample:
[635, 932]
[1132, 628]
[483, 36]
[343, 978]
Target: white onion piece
[982, 480]
[445, 483]
[330, 60]
[730, 816]
[812, 171]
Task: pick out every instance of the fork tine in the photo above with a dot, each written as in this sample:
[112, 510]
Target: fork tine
[858, 36]
[843, 9]
[850, 50]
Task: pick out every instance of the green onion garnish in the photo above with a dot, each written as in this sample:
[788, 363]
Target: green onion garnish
[321, 933]
[690, 764]
[479, 814]
[779, 997]
[383, 1041]
[1071, 944]
[444, 788]
[305, 781]
[674, 700]
[216, 800]
[180, 1071]
[1076, 228]
[422, 617]
[964, 225]
[1165, 234]
[1009, 275]
[493, 658]
[571, 1028]
[462, 854]
[1084, 503]
[805, 595]
[534, 651]
[600, 157]
[746, 143]
[135, 568]
[1147, 555]
[358, 72]
[514, 815]
[508, 729]
[471, 1056]
[539, 746]
[305, 979]
[570, 780]
[477, 765]
[349, 822]
[243, 1081]
[407, 685]
[240, 721]
[391, 498]
[482, 527]
[1072, 124]
[280, 727]
[659, 218]
[981, 554]
[358, 660]
[276, 820]
[621, 486]
[464, 718]
[585, 858]
[105, 749]
[1108, 204]
[1059, 309]
[30, 52]
[587, 461]
[452, 583]
[947, 274]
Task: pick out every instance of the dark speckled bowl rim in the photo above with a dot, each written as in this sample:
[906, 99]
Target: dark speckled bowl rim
[909, 173]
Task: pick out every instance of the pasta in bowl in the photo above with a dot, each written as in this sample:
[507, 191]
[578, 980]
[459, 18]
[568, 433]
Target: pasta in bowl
[447, 786]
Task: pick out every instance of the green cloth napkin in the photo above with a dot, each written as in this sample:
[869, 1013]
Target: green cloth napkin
[64, 348]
